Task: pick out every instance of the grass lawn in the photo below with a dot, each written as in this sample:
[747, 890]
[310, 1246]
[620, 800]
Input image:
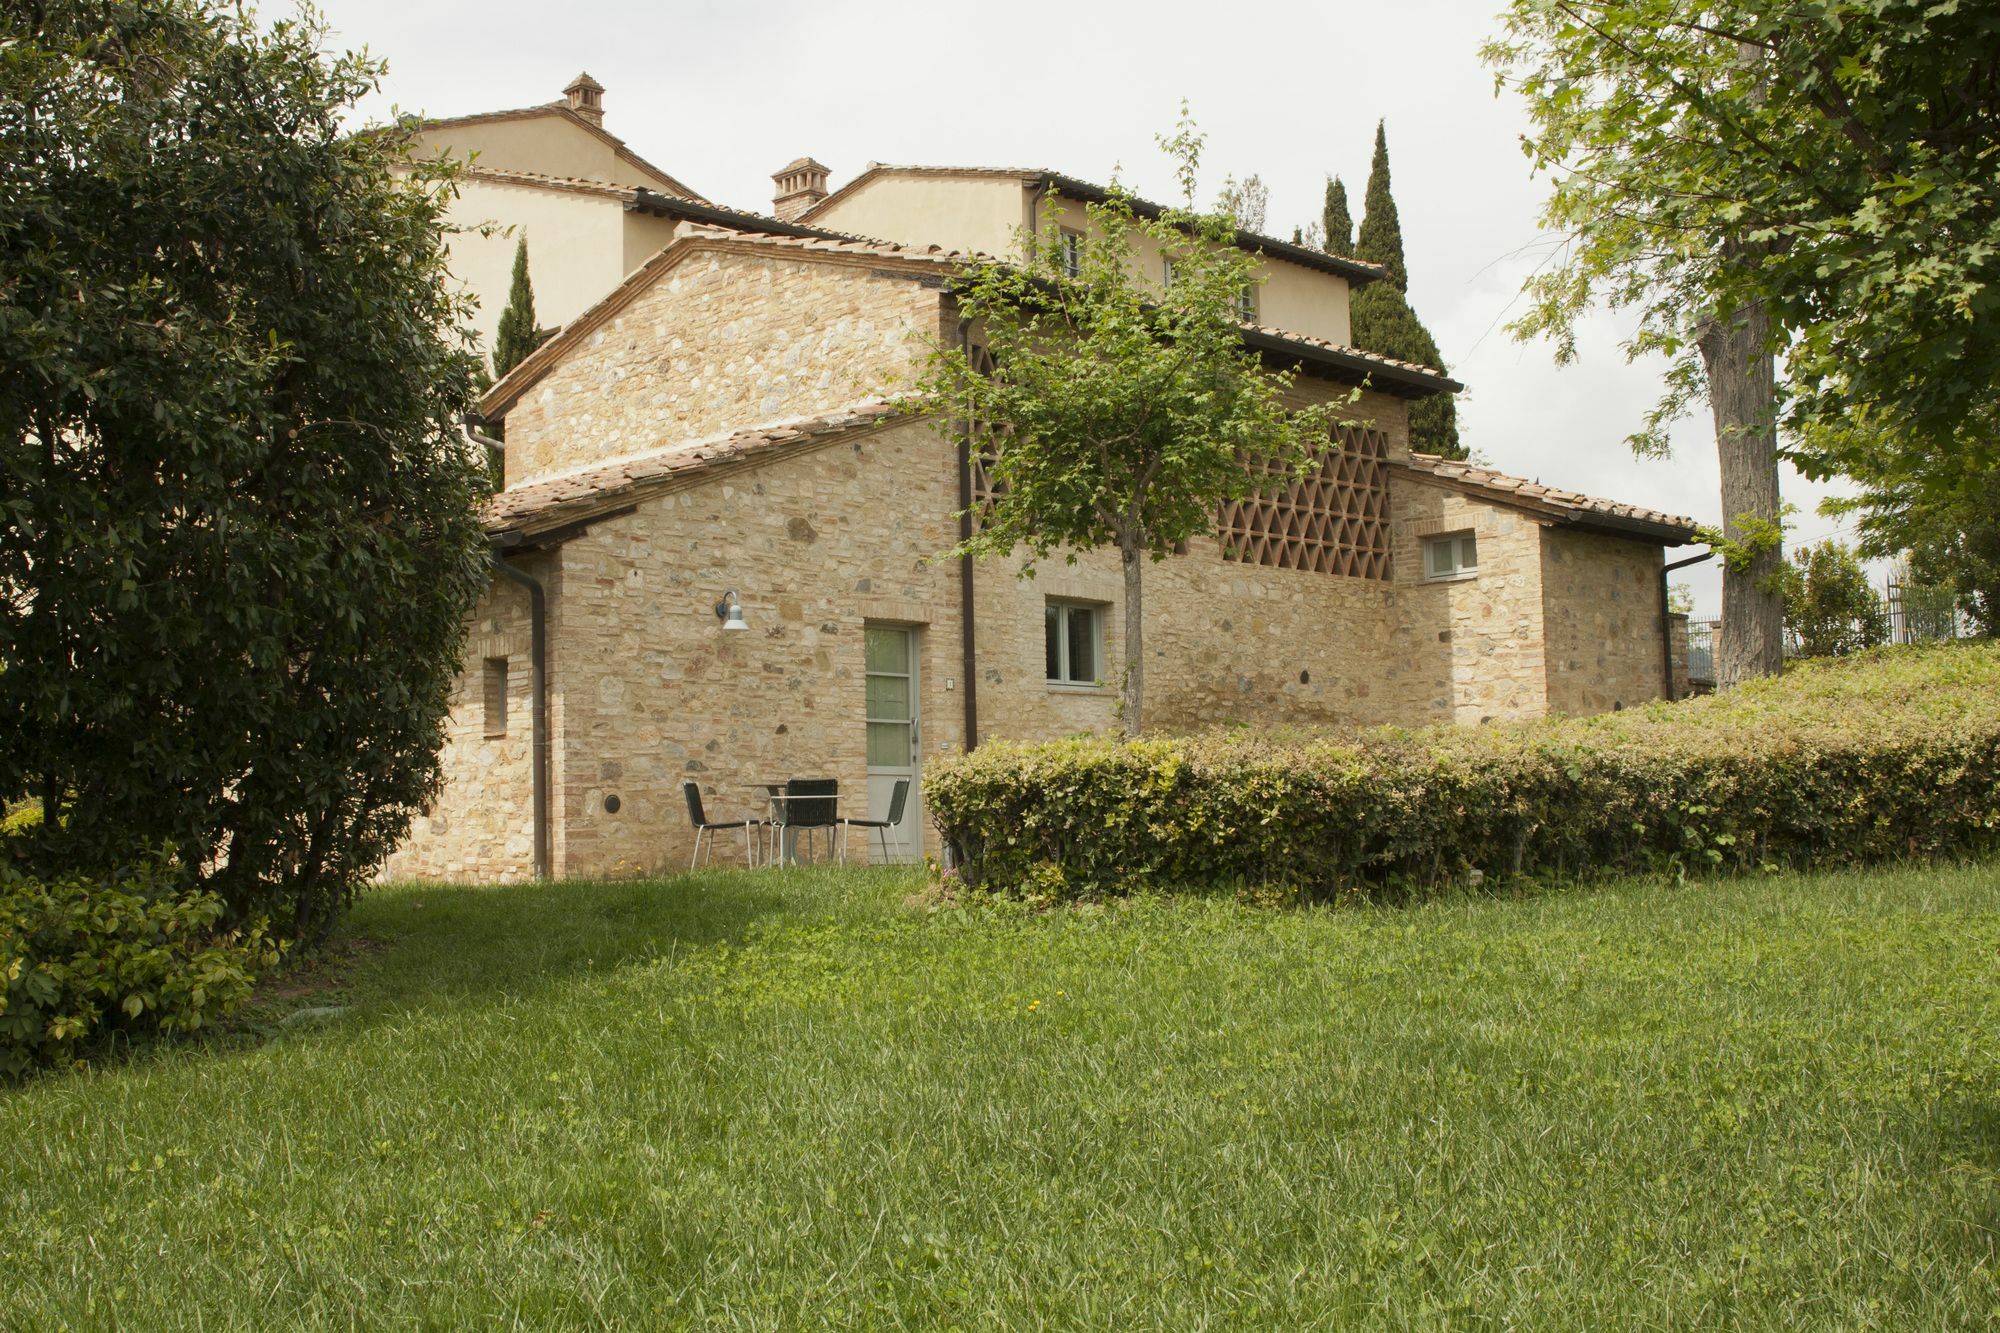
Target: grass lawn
[779, 1100]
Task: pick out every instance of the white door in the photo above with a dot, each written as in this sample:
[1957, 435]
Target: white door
[894, 735]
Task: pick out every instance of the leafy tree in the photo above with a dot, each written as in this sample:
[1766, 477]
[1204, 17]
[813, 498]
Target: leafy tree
[1336, 224]
[1247, 201]
[1814, 175]
[517, 336]
[1829, 604]
[1380, 316]
[1121, 415]
[1381, 237]
[238, 524]
[1949, 534]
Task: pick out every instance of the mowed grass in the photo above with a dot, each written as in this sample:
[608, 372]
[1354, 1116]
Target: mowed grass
[784, 1100]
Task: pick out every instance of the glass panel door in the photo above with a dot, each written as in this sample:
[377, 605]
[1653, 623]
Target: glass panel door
[890, 666]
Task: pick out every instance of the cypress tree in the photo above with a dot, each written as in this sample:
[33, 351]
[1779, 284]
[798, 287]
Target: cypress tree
[1337, 222]
[1382, 320]
[517, 336]
[1381, 238]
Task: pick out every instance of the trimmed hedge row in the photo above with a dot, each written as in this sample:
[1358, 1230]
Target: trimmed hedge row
[1884, 755]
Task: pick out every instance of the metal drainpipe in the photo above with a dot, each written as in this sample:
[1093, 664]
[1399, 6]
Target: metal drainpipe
[1666, 617]
[538, 660]
[968, 636]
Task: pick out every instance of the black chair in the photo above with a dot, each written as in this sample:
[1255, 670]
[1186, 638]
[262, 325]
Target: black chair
[703, 824]
[810, 803]
[898, 798]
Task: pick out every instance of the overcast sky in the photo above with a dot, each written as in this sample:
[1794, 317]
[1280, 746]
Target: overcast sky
[723, 95]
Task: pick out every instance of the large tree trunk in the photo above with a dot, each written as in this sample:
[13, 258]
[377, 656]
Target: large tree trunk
[1736, 353]
[1134, 558]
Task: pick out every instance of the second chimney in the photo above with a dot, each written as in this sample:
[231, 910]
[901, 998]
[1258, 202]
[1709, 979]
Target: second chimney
[586, 98]
[801, 184]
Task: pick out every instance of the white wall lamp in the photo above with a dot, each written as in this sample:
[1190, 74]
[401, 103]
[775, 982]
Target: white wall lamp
[730, 611]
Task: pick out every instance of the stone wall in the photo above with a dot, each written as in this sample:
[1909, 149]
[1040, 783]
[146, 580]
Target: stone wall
[481, 827]
[1601, 608]
[1469, 649]
[725, 339]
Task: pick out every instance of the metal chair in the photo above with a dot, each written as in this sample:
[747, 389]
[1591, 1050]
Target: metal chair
[811, 803]
[898, 797]
[703, 824]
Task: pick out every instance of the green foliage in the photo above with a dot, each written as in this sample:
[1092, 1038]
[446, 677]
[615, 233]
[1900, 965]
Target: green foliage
[1122, 413]
[1381, 238]
[84, 962]
[1755, 1104]
[1838, 763]
[1382, 321]
[518, 335]
[1946, 519]
[1830, 607]
[1845, 145]
[1336, 223]
[238, 524]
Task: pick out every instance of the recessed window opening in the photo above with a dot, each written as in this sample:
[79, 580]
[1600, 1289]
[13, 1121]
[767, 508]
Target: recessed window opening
[494, 688]
[1073, 641]
[1452, 557]
[1070, 252]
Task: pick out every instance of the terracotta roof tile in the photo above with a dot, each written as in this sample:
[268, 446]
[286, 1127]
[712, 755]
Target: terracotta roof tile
[548, 501]
[1574, 504]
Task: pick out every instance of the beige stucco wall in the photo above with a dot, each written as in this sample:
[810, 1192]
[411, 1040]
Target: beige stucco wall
[1601, 609]
[974, 213]
[722, 341]
[580, 246]
[985, 213]
[550, 144]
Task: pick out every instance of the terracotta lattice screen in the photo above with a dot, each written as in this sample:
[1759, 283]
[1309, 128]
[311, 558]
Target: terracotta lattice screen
[1334, 520]
[984, 489]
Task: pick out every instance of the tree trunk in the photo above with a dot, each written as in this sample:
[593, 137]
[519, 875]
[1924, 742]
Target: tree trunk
[1736, 353]
[1134, 558]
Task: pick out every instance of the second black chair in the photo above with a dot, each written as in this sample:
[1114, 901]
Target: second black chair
[811, 803]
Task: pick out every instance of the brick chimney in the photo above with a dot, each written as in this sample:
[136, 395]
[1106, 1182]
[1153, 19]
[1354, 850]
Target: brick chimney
[586, 98]
[801, 184]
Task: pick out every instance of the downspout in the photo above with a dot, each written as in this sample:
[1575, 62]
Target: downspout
[538, 687]
[1666, 618]
[968, 636]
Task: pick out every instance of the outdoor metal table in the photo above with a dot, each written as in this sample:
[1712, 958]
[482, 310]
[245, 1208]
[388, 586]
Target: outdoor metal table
[788, 849]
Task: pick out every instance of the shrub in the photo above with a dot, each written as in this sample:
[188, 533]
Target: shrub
[1829, 606]
[84, 962]
[240, 528]
[1889, 754]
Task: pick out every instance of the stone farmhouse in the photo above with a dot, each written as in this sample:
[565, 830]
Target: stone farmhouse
[719, 543]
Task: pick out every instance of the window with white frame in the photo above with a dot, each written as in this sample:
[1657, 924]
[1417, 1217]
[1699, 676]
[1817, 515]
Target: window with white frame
[1451, 557]
[1166, 272]
[1074, 641]
[1246, 303]
[1069, 252]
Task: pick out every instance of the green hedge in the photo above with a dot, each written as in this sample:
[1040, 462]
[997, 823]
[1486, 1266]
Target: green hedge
[1889, 754]
[83, 963]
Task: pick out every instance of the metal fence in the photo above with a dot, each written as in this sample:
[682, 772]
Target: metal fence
[1917, 613]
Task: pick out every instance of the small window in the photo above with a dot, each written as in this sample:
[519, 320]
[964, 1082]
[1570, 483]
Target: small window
[1070, 253]
[1453, 557]
[1073, 639]
[1246, 303]
[495, 691]
[1166, 272]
